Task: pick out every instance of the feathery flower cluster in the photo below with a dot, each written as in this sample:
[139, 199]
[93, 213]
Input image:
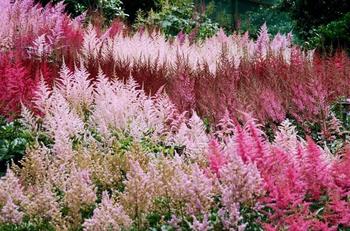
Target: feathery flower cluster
[120, 143]
[119, 159]
[269, 77]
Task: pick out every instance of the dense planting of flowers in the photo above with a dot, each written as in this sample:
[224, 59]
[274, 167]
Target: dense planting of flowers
[130, 131]
[271, 78]
[121, 159]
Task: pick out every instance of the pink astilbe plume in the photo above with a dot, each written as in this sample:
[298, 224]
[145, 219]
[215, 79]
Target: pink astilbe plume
[194, 190]
[203, 225]
[340, 171]
[316, 170]
[285, 188]
[192, 135]
[217, 158]
[108, 215]
[141, 188]
[248, 142]
[225, 127]
[12, 199]
[241, 182]
[10, 213]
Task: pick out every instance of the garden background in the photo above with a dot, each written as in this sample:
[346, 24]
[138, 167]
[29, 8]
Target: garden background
[174, 115]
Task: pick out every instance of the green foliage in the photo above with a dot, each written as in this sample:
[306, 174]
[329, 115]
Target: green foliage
[112, 9]
[28, 226]
[132, 7]
[13, 141]
[310, 14]
[221, 13]
[332, 35]
[322, 24]
[178, 16]
[252, 218]
[276, 20]
[149, 146]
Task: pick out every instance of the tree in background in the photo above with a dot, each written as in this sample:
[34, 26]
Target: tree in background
[323, 24]
[310, 14]
[175, 16]
[276, 20]
[132, 7]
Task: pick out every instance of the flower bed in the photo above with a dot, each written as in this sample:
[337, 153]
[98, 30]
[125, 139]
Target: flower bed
[132, 132]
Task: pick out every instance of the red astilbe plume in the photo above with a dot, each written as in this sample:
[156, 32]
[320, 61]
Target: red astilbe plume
[257, 136]
[181, 88]
[16, 86]
[272, 106]
[18, 81]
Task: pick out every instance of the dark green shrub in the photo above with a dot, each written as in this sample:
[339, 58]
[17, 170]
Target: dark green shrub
[176, 17]
[331, 36]
[310, 14]
[13, 141]
[276, 20]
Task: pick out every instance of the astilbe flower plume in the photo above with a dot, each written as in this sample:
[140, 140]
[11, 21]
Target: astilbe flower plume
[31, 38]
[108, 215]
[270, 77]
[12, 199]
[87, 114]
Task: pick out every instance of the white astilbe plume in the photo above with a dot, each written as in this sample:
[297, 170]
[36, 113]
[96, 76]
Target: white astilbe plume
[76, 88]
[41, 48]
[62, 123]
[115, 106]
[28, 118]
[42, 95]
[119, 106]
[92, 44]
[143, 47]
[60, 120]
